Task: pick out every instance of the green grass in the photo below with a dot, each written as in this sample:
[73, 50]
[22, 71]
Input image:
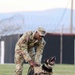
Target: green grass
[63, 69]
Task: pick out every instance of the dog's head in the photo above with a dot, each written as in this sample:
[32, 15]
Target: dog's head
[49, 63]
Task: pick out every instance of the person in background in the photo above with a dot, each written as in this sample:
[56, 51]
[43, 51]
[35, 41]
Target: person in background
[29, 48]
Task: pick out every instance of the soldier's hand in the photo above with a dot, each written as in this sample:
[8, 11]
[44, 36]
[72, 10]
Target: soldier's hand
[37, 65]
[31, 62]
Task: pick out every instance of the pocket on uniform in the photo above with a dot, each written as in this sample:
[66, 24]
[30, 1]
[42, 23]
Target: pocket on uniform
[18, 58]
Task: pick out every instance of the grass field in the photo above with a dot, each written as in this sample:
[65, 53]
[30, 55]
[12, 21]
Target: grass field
[64, 69]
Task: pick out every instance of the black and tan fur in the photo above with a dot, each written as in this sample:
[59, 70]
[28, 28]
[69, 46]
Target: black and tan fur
[46, 68]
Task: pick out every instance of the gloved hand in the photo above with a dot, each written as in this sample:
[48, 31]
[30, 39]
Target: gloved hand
[31, 62]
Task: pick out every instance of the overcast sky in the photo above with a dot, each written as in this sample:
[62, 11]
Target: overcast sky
[32, 5]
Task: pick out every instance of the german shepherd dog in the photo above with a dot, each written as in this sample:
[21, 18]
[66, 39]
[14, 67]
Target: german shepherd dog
[44, 69]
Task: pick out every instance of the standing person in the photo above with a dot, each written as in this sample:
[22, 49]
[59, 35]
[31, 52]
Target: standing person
[29, 48]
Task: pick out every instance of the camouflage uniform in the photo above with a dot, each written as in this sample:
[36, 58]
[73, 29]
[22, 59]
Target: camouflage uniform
[25, 50]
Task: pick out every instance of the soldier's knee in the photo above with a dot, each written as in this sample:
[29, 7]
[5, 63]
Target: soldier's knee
[18, 70]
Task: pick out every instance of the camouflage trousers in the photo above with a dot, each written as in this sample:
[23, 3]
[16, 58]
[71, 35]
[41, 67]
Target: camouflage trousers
[19, 61]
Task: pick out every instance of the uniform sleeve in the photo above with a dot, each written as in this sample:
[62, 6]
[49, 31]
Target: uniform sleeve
[39, 51]
[24, 47]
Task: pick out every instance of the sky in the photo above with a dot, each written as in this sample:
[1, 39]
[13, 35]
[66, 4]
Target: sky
[33, 5]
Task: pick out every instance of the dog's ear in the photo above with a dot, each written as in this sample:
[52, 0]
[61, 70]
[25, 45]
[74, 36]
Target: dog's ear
[46, 61]
[53, 59]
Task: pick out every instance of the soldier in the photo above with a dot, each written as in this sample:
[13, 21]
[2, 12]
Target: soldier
[29, 48]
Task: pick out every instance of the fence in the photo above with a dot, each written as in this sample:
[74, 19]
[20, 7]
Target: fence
[52, 48]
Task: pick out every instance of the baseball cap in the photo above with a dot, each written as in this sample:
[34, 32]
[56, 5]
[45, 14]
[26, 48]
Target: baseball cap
[41, 31]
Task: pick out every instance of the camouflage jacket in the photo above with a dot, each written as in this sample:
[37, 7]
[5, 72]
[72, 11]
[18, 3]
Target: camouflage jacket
[26, 42]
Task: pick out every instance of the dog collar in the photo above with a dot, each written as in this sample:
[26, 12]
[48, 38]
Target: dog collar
[46, 69]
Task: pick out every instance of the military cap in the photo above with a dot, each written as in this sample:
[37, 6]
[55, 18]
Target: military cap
[41, 31]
